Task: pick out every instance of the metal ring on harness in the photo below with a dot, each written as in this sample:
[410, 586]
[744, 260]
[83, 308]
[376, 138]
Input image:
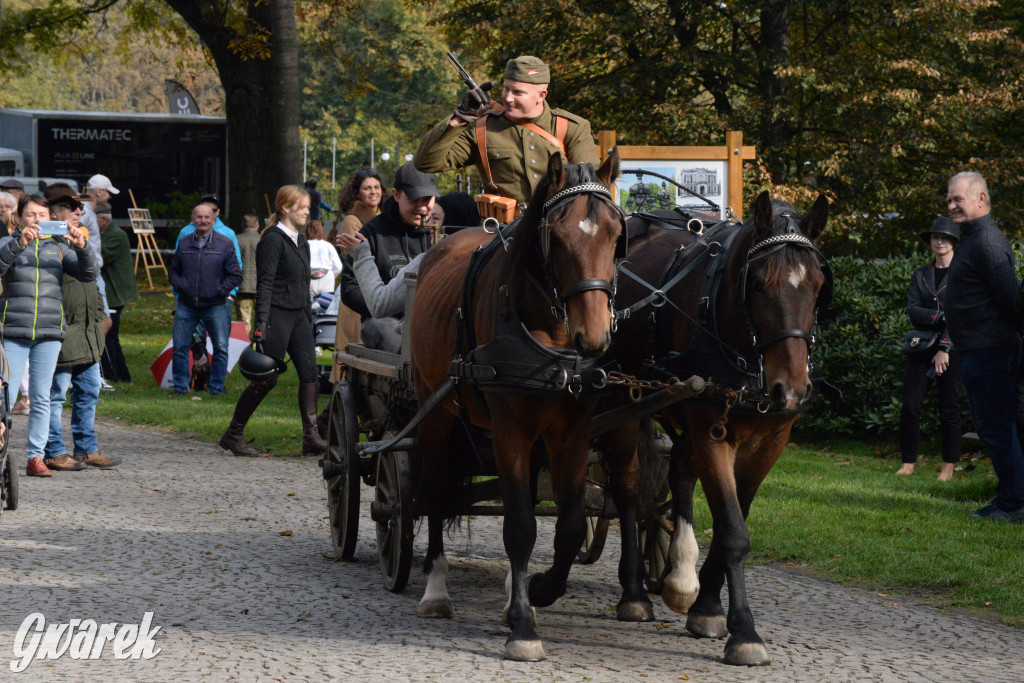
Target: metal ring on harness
[491, 222]
[699, 222]
[714, 248]
[563, 380]
[659, 299]
[716, 432]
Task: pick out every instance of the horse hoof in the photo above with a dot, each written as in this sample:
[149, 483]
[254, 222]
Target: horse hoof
[704, 626]
[533, 617]
[640, 610]
[676, 601]
[524, 651]
[746, 654]
[437, 608]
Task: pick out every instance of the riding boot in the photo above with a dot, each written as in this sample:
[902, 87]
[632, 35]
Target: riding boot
[312, 444]
[233, 439]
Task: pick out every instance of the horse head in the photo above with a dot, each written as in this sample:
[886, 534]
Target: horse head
[578, 232]
[785, 280]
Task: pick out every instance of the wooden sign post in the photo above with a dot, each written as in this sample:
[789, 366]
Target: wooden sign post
[733, 153]
[147, 250]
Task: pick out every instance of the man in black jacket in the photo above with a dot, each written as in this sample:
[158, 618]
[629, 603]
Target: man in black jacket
[981, 315]
[396, 236]
[204, 271]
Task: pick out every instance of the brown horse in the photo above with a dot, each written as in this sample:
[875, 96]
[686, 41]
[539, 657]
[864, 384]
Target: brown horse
[555, 276]
[739, 307]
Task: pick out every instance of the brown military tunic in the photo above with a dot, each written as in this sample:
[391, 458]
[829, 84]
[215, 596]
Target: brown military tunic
[517, 156]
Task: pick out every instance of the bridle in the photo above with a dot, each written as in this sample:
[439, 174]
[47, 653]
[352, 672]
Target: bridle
[556, 201]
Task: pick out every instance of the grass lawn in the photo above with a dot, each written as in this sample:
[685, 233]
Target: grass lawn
[832, 507]
[145, 330]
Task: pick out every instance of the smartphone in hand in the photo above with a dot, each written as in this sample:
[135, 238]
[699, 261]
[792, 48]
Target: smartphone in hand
[53, 227]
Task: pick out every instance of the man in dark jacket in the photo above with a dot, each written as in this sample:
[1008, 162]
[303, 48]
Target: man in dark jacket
[204, 271]
[396, 236]
[981, 315]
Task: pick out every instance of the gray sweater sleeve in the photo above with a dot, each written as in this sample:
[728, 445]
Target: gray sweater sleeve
[381, 300]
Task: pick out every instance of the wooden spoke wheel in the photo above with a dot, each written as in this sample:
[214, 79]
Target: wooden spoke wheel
[593, 544]
[393, 512]
[654, 535]
[341, 470]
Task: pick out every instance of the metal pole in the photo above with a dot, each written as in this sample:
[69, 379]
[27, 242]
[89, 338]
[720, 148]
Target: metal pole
[334, 158]
[305, 148]
[373, 154]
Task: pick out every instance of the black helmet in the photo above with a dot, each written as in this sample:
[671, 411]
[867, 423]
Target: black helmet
[943, 225]
[257, 366]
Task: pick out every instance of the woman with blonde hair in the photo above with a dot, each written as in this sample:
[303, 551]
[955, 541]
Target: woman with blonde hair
[282, 321]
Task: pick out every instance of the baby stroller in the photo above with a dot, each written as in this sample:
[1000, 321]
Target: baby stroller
[325, 321]
[8, 472]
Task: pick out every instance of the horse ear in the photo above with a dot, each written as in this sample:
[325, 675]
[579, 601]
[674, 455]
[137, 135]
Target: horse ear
[813, 222]
[763, 217]
[556, 172]
[609, 171]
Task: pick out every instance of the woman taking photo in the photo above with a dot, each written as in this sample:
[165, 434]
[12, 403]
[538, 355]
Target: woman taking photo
[937, 361]
[32, 267]
[282, 320]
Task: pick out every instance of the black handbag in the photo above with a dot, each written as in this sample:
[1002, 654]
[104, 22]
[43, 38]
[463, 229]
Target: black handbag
[920, 341]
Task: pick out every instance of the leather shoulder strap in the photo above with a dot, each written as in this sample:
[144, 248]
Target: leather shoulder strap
[561, 127]
[481, 147]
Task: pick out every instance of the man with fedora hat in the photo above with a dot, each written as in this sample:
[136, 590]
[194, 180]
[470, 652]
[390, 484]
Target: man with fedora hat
[939, 361]
[396, 236]
[510, 144]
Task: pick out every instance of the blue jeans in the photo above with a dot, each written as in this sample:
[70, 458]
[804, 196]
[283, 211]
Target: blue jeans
[990, 377]
[218, 324]
[85, 394]
[43, 357]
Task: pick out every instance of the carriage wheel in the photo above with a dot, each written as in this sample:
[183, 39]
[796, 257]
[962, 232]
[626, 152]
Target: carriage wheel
[392, 510]
[593, 544]
[10, 486]
[655, 536]
[343, 484]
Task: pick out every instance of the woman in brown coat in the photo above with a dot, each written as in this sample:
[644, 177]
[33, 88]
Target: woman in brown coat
[359, 199]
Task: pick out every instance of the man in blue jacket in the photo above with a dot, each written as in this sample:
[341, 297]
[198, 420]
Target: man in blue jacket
[981, 316]
[204, 272]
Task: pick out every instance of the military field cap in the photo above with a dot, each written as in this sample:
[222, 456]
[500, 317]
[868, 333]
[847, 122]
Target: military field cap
[943, 225]
[415, 184]
[527, 69]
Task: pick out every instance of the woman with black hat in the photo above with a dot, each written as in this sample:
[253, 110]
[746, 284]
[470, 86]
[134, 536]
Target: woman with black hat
[930, 354]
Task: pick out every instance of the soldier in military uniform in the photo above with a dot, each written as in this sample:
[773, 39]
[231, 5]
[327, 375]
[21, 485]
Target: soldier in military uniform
[516, 142]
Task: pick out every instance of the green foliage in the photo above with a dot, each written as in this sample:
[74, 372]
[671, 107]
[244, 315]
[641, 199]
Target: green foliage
[177, 211]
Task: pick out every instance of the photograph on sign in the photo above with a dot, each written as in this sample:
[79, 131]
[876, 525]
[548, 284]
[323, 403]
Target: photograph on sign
[142, 223]
[649, 192]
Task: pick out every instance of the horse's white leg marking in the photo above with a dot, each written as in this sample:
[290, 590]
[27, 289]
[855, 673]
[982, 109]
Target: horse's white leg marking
[435, 602]
[797, 275]
[588, 226]
[681, 584]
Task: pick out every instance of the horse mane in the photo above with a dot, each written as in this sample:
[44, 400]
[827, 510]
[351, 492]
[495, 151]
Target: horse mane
[523, 255]
[780, 263]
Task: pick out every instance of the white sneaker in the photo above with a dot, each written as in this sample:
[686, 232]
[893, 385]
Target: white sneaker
[105, 385]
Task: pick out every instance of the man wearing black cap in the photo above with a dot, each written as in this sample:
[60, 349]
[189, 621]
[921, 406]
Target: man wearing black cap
[510, 147]
[13, 186]
[396, 236]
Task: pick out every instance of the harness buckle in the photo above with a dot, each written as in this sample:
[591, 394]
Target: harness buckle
[576, 386]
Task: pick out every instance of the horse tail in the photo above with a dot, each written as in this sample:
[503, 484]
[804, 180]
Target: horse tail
[653, 449]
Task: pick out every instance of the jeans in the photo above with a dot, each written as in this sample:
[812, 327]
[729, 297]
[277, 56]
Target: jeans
[990, 377]
[217, 320]
[43, 355]
[85, 393]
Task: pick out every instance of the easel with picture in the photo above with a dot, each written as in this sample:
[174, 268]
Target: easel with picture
[147, 250]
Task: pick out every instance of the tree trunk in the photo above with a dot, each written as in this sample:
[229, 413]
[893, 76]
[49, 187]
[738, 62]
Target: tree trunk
[776, 126]
[261, 100]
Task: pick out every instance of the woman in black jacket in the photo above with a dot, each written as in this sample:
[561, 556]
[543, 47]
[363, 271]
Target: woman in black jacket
[940, 362]
[282, 320]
